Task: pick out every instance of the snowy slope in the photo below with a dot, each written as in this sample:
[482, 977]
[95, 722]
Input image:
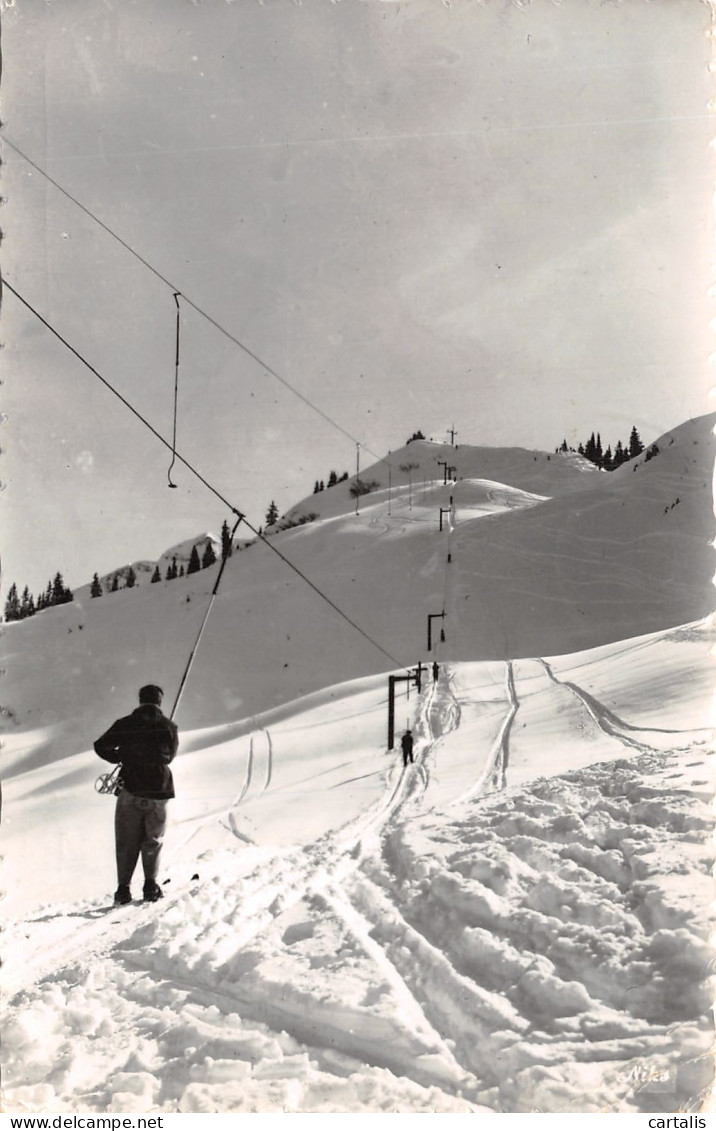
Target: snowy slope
[421, 464]
[526, 576]
[144, 569]
[472, 932]
[518, 922]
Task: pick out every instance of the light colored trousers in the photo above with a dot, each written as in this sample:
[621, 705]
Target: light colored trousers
[139, 826]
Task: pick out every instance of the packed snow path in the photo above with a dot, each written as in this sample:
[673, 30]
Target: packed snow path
[519, 921]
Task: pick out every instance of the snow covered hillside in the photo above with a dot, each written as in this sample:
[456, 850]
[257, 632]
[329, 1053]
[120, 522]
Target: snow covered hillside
[519, 921]
[178, 555]
[519, 572]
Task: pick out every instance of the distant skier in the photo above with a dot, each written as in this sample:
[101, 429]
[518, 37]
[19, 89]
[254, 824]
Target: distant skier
[144, 742]
[436, 671]
[407, 744]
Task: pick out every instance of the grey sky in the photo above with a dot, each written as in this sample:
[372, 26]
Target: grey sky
[493, 214]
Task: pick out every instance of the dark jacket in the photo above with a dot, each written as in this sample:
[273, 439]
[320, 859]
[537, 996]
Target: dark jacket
[145, 742]
[407, 743]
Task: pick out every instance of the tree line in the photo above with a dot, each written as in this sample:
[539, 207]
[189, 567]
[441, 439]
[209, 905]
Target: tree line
[19, 607]
[333, 478]
[609, 459]
[195, 563]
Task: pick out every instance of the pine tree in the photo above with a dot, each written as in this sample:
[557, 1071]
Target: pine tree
[156, 576]
[59, 592]
[194, 563]
[598, 453]
[607, 462]
[208, 557]
[226, 547]
[115, 584]
[27, 606]
[181, 572]
[316, 488]
[58, 588]
[131, 579]
[635, 445]
[332, 479]
[322, 486]
[272, 513]
[12, 604]
[95, 588]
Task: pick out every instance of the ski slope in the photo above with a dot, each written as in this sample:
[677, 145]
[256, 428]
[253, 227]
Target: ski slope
[551, 559]
[519, 921]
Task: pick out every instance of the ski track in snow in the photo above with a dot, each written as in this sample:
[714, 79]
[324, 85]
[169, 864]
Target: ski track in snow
[259, 766]
[494, 775]
[605, 719]
[263, 781]
[450, 1074]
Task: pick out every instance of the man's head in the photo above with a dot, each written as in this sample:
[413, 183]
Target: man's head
[151, 694]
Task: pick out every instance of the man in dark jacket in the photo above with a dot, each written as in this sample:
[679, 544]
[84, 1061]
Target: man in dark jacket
[407, 744]
[144, 742]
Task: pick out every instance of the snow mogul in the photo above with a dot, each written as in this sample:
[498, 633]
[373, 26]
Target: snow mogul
[143, 743]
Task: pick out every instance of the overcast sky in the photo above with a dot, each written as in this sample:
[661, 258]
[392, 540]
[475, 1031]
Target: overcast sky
[418, 213]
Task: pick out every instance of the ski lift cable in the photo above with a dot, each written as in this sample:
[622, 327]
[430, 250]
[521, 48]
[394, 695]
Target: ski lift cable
[210, 487]
[189, 302]
[176, 397]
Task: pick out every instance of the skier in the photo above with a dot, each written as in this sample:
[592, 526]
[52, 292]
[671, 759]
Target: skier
[407, 744]
[144, 742]
[436, 671]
